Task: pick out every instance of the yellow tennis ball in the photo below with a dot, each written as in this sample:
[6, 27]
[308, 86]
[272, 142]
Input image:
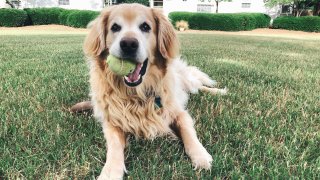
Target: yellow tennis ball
[120, 67]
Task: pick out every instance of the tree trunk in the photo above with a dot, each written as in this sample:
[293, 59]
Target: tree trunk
[10, 4]
[317, 9]
[217, 6]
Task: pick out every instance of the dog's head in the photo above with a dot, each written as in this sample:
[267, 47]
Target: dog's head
[135, 32]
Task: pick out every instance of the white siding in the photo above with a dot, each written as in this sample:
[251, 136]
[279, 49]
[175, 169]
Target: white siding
[96, 5]
[236, 6]
[179, 5]
[38, 3]
[224, 7]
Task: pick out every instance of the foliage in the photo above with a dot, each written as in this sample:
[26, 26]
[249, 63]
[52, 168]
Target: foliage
[12, 17]
[178, 16]
[299, 6]
[40, 16]
[63, 16]
[80, 19]
[223, 22]
[305, 23]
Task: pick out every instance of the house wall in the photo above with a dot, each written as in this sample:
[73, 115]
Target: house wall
[96, 5]
[179, 5]
[38, 3]
[3, 4]
[235, 6]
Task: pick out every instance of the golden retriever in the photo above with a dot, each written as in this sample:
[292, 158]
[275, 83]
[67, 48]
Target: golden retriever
[150, 101]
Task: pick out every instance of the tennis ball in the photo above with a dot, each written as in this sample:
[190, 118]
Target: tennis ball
[120, 67]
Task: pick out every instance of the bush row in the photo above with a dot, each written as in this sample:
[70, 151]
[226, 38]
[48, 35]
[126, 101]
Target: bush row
[41, 16]
[222, 22]
[305, 23]
[77, 18]
[12, 17]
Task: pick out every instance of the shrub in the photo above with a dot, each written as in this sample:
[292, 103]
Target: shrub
[178, 16]
[40, 16]
[63, 17]
[81, 18]
[12, 17]
[262, 20]
[305, 23]
[222, 22]
[182, 25]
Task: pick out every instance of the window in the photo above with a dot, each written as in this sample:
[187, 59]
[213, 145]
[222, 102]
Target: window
[246, 5]
[64, 2]
[204, 8]
[158, 3]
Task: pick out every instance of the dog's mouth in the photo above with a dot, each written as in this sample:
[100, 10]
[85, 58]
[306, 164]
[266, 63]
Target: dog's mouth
[135, 78]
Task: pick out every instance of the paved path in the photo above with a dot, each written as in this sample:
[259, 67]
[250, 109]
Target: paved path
[264, 32]
[59, 29]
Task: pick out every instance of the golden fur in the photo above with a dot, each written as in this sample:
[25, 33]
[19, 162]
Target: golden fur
[123, 109]
[132, 109]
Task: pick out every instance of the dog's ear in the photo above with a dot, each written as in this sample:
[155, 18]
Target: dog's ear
[95, 42]
[167, 41]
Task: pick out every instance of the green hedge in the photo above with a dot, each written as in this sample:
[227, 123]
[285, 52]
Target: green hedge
[77, 18]
[305, 23]
[262, 20]
[63, 16]
[40, 16]
[12, 17]
[222, 22]
[178, 16]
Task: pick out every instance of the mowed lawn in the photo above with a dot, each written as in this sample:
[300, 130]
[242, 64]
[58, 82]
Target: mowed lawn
[267, 126]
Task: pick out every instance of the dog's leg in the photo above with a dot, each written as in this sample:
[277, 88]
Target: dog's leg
[214, 91]
[200, 158]
[114, 167]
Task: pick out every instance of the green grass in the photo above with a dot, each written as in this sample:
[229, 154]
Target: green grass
[267, 126]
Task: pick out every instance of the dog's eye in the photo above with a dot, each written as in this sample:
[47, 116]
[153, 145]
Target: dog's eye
[115, 27]
[144, 27]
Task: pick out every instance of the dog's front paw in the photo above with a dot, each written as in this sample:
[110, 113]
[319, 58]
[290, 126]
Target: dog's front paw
[201, 159]
[110, 173]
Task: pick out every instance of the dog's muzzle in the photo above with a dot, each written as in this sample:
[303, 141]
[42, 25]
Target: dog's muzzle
[135, 78]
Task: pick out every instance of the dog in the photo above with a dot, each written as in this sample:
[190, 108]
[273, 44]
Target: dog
[150, 101]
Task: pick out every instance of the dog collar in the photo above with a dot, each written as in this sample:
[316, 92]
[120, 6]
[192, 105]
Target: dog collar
[157, 102]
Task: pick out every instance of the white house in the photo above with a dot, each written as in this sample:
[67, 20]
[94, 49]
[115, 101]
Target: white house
[234, 6]
[67, 4]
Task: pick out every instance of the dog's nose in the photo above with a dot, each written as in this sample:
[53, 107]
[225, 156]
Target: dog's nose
[129, 45]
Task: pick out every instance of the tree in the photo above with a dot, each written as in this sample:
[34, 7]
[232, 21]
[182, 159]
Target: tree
[316, 11]
[12, 4]
[299, 6]
[217, 4]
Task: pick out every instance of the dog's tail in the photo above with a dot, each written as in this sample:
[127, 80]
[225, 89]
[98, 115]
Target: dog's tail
[81, 107]
[194, 80]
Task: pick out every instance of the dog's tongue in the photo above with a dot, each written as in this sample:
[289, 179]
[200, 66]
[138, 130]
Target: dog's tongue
[134, 76]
